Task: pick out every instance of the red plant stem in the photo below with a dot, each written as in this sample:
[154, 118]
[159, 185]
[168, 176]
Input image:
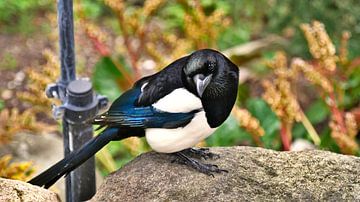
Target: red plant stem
[356, 113]
[128, 78]
[337, 113]
[99, 46]
[105, 52]
[285, 136]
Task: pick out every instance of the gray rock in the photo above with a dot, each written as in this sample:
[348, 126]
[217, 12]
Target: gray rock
[43, 150]
[255, 174]
[14, 190]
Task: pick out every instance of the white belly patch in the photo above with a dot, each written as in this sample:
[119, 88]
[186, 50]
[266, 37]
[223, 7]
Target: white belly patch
[179, 100]
[173, 140]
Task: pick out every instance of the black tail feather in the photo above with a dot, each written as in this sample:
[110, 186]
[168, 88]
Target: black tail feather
[75, 159]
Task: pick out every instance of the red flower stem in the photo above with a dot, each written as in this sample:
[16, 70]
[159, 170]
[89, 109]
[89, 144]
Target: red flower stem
[285, 136]
[105, 52]
[337, 113]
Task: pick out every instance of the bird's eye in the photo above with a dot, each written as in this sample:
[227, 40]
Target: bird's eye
[211, 67]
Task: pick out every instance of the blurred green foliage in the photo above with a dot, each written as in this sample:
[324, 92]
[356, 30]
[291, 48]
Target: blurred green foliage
[352, 89]
[268, 120]
[94, 9]
[317, 113]
[8, 62]
[1, 104]
[229, 134]
[17, 15]
[106, 77]
[251, 19]
[338, 16]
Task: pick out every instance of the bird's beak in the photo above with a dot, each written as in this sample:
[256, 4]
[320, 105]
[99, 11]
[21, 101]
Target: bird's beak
[201, 83]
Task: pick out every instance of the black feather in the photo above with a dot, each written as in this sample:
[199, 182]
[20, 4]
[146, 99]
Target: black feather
[220, 95]
[76, 158]
[124, 113]
[161, 83]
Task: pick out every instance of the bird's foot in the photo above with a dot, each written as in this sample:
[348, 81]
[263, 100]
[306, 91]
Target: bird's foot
[201, 153]
[205, 168]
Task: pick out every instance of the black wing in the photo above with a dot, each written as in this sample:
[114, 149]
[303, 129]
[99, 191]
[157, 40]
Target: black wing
[161, 83]
[123, 113]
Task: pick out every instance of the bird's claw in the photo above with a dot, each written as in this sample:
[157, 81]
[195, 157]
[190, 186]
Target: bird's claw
[207, 169]
[203, 153]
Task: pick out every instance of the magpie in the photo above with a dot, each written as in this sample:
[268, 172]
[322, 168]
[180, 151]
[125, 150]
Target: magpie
[174, 109]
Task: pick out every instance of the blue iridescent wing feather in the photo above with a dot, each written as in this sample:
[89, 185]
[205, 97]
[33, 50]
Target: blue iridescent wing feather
[124, 113]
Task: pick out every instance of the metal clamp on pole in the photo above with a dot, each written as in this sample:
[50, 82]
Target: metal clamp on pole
[79, 104]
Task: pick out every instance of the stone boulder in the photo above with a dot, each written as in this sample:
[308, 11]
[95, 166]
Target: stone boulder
[14, 190]
[254, 174]
[43, 150]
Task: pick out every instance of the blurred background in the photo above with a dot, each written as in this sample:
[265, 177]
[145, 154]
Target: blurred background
[299, 70]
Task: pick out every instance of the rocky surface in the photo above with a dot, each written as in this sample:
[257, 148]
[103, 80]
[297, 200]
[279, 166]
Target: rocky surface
[42, 150]
[254, 174]
[14, 190]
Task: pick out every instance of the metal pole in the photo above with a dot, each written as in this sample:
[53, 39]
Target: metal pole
[66, 39]
[79, 104]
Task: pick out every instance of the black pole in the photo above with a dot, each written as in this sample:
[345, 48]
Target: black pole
[66, 38]
[79, 104]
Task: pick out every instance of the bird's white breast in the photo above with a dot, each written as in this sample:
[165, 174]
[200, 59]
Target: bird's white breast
[179, 100]
[173, 140]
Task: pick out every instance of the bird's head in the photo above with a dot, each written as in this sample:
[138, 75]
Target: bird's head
[214, 79]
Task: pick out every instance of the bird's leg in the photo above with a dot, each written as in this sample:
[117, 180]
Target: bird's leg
[201, 153]
[208, 169]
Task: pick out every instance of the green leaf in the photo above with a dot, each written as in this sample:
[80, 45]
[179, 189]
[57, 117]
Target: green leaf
[105, 78]
[229, 134]
[268, 120]
[243, 93]
[91, 9]
[174, 15]
[327, 142]
[232, 36]
[316, 113]
[352, 89]
[2, 104]
[119, 153]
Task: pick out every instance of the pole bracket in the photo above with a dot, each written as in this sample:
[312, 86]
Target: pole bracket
[80, 102]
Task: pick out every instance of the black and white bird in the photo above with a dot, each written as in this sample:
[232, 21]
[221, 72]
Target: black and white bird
[174, 109]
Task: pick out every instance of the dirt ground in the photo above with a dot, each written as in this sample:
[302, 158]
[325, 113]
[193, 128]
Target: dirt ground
[17, 53]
